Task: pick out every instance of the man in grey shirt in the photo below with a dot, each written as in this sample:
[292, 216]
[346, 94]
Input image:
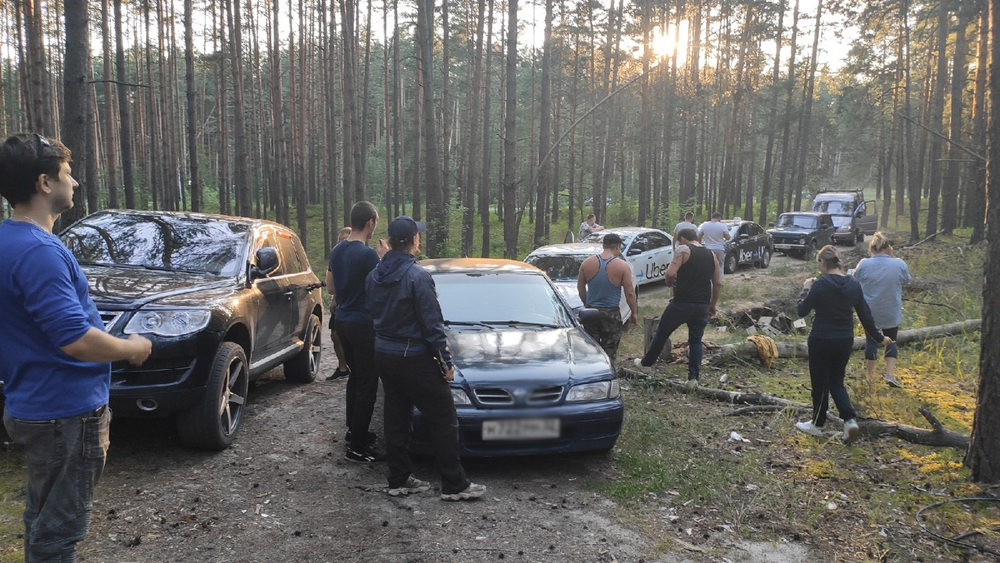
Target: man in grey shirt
[687, 223]
[713, 236]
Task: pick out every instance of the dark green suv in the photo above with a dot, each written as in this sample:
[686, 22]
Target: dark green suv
[802, 233]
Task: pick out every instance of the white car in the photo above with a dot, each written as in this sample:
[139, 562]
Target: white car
[648, 251]
[562, 264]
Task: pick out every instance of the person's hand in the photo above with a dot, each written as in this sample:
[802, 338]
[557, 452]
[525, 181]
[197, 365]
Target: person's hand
[141, 348]
[886, 341]
[450, 374]
[807, 285]
[712, 312]
[381, 247]
[634, 318]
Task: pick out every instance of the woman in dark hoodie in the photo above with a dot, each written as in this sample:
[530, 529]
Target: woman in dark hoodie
[413, 360]
[835, 296]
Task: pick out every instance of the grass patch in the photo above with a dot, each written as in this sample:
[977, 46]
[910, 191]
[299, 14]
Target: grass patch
[13, 479]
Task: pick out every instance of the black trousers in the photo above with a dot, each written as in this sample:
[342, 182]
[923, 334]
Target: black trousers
[358, 340]
[828, 359]
[416, 381]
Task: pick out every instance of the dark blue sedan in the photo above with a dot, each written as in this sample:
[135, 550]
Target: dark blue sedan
[528, 379]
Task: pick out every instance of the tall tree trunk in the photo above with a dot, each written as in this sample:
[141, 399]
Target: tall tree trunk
[77, 100]
[936, 124]
[959, 74]
[765, 189]
[509, 181]
[436, 229]
[983, 456]
[123, 110]
[804, 133]
[975, 208]
[192, 119]
[484, 180]
[241, 187]
[111, 163]
[786, 131]
[544, 173]
[472, 166]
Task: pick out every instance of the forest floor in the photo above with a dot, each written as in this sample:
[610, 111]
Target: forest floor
[678, 487]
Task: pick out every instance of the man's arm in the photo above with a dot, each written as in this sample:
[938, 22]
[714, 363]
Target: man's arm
[582, 277]
[630, 297]
[716, 287]
[98, 346]
[726, 234]
[681, 256]
[329, 285]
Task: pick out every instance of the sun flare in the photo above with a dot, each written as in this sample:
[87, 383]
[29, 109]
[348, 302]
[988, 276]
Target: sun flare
[670, 42]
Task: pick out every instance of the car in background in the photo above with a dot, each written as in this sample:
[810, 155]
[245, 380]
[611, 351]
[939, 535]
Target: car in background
[528, 378]
[223, 299]
[561, 262]
[802, 233]
[648, 251]
[749, 244]
[853, 217]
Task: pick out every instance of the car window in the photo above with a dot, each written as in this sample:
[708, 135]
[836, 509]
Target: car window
[827, 222]
[159, 242]
[474, 298]
[290, 256]
[798, 221]
[560, 267]
[862, 210]
[640, 244]
[599, 237]
[657, 240]
[834, 207]
[756, 229]
[744, 230]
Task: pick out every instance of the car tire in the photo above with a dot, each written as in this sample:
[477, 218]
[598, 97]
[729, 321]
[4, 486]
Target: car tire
[810, 253]
[729, 263]
[304, 366]
[212, 423]
[765, 259]
[860, 238]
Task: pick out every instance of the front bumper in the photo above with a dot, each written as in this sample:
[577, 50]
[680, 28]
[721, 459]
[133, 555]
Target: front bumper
[790, 247]
[583, 427]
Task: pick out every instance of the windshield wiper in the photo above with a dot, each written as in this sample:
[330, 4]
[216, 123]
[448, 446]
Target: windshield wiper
[522, 323]
[468, 323]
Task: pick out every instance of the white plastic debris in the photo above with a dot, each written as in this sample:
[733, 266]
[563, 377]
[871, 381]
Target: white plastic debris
[735, 437]
[723, 378]
[831, 505]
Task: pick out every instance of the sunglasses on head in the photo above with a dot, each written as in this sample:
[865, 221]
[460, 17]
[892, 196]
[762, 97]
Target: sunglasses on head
[42, 143]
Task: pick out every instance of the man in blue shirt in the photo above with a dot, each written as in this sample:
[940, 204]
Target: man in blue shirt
[350, 262]
[55, 358]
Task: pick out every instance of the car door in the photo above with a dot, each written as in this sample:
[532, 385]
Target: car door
[825, 234]
[744, 246]
[275, 302]
[299, 277]
[636, 256]
[661, 252]
[866, 217]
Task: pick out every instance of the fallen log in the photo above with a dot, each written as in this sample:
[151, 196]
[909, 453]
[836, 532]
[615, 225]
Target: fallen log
[939, 436]
[747, 350]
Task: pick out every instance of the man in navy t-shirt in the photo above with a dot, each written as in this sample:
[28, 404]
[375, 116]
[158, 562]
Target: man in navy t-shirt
[55, 358]
[350, 262]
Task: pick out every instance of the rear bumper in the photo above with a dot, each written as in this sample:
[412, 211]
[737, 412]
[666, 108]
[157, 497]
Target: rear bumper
[583, 427]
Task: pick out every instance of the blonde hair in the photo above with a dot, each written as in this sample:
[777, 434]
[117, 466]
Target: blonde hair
[344, 233]
[879, 243]
[830, 257]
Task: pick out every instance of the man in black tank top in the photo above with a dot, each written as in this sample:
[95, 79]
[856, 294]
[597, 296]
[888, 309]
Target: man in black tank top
[694, 275]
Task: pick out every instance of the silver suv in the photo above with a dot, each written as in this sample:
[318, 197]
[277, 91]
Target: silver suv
[853, 217]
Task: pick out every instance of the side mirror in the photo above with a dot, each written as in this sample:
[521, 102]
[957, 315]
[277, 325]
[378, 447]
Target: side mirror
[587, 314]
[633, 252]
[770, 225]
[267, 262]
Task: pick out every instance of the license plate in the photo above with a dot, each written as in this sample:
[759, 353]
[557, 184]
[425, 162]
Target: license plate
[783, 246]
[521, 429]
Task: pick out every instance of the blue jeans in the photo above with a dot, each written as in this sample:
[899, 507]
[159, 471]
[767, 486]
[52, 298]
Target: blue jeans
[65, 459]
[695, 315]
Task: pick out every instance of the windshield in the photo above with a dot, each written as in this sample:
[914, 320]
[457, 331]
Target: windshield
[500, 299]
[559, 268]
[833, 207]
[161, 242]
[599, 237]
[841, 220]
[797, 221]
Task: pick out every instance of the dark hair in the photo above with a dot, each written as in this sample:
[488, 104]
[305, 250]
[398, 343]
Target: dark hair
[716, 215]
[687, 233]
[398, 244]
[689, 214]
[361, 213]
[830, 257]
[591, 216]
[25, 156]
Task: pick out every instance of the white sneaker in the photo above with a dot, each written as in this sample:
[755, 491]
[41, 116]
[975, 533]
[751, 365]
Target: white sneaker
[640, 367]
[851, 431]
[809, 428]
[892, 381]
[473, 491]
[691, 385]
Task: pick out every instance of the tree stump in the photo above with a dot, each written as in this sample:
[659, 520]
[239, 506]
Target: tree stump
[649, 325]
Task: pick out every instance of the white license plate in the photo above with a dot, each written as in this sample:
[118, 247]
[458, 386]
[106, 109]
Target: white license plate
[783, 246]
[521, 429]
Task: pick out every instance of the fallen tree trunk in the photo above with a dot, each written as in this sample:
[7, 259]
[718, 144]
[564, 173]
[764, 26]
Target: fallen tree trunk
[938, 436]
[748, 350]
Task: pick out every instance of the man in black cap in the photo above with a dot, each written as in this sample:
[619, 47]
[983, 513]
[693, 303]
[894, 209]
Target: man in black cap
[600, 283]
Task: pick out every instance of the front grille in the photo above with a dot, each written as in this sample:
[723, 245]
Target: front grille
[545, 395]
[494, 396]
[109, 318]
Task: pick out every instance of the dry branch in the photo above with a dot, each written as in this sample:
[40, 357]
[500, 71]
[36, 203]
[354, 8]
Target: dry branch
[939, 436]
[747, 350]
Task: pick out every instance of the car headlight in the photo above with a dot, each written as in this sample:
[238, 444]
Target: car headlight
[168, 322]
[802, 240]
[460, 397]
[594, 391]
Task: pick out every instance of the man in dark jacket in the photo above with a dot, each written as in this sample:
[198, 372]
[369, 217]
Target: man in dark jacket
[413, 360]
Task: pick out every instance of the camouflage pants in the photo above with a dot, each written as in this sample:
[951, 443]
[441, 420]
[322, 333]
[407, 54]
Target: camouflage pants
[606, 329]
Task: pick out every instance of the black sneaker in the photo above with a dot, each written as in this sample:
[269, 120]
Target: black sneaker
[372, 439]
[412, 485]
[367, 456]
[338, 373]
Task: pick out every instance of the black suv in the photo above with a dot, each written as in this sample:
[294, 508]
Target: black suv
[224, 300]
[749, 244]
[802, 233]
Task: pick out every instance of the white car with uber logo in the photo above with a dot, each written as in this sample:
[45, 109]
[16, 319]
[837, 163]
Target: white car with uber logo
[648, 251]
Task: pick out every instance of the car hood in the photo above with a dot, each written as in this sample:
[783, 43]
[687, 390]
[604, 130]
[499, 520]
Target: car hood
[529, 356]
[789, 231]
[129, 288]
